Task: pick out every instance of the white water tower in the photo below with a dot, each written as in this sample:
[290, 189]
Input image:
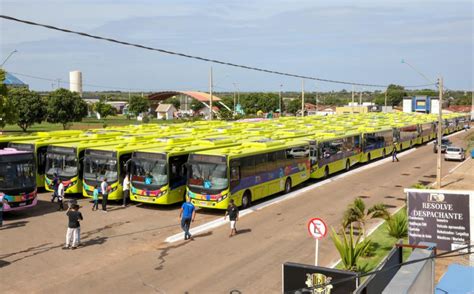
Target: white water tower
[75, 82]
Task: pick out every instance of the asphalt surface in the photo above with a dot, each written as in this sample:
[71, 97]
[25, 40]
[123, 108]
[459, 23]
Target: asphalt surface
[124, 249]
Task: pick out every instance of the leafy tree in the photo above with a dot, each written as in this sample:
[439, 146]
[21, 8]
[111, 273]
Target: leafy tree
[356, 212]
[350, 249]
[294, 106]
[196, 105]
[138, 105]
[65, 107]
[31, 108]
[173, 100]
[8, 113]
[425, 92]
[395, 94]
[104, 109]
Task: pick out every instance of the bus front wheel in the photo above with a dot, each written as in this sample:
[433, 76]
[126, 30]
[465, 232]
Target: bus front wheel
[348, 165]
[288, 186]
[246, 199]
[368, 157]
[326, 172]
[383, 154]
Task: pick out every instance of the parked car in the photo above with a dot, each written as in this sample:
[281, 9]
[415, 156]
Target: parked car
[455, 153]
[444, 144]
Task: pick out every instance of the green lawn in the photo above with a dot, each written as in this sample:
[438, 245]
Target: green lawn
[382, 244]
[86, 123]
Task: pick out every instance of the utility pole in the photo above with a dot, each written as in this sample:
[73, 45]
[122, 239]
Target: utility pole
[440, 133]
[352, 105]
[302, 97]
[235, 96]
[279, 100]
[210, 92]
[360, 97]
[59, 83]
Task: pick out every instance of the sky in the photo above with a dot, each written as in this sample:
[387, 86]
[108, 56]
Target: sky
[356, 41]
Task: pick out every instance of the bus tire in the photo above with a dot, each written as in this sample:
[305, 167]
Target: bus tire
[288, 185]
[246, 199]
[383, 154]
[369, 157]
[411, 144]
[348, 165]
[326, 172]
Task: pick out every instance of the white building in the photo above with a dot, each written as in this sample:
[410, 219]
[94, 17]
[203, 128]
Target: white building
[165, 111]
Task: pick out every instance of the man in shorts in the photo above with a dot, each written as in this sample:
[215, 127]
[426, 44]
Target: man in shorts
[233, 213]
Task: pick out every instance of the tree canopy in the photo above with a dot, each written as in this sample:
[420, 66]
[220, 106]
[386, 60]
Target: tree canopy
[104, 109]
[65, 107]
[138, 105]
[30, 107]
[8, 114]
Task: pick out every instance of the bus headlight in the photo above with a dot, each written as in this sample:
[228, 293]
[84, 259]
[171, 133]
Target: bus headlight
[222, 197]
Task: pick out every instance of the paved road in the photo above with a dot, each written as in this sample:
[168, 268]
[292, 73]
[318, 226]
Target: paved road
[125, 251]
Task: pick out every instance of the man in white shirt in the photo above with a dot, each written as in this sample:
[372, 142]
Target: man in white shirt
[60, 195]
[126, 189]
[104, 188]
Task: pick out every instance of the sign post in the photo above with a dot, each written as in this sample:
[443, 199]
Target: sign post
[317, 229]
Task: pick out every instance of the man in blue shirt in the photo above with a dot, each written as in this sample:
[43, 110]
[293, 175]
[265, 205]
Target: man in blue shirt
[187, 214]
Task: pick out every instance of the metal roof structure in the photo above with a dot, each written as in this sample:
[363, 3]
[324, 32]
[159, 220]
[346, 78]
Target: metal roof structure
[11, 80]
[200, 96]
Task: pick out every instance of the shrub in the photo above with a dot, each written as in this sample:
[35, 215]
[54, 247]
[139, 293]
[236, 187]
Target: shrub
[397, 226]
[350, 249]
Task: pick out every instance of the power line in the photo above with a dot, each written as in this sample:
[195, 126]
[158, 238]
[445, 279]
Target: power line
[446, 254]
[196, 57]
[89, 85]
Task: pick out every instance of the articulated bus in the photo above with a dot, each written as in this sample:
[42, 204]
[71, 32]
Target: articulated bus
[17, 179]
[111, 162]
[376, 143]
[334, 153]
[158, 175]
[40, 146]
[247, 172]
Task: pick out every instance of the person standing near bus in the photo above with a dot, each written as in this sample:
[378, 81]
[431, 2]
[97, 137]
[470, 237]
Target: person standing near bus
[187, 215]
[394, 152]
[233, 213]
[104, 189]
[60, 194]
[126, 189]
[55, 187]
[95, 197]
[3, 201]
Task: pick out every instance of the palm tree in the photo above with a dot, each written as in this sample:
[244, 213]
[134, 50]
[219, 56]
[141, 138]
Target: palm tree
[356, 213]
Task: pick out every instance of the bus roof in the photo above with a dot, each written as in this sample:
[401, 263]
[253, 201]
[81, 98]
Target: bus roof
[256, 147]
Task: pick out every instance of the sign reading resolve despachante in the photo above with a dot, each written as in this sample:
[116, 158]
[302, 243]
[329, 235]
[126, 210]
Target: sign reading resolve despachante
[441, 217]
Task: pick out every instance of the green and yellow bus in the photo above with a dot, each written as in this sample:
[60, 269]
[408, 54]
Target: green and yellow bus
[111, 162]
[5, 139]
[158, 175]
[246, 173]
[376, 143]
[334, 153]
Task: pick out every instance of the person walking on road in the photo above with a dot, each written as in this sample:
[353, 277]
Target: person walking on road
[233, 213]
[394, 153]
[95, 197]
[60, 195]
[187, 215]
[104, 187]
[126, 189]
[73, 228]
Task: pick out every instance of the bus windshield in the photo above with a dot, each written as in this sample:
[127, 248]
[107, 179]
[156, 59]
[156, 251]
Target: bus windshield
[205, 176]
[15, 175]
[64, 165]
[149, 173]
[96, 169]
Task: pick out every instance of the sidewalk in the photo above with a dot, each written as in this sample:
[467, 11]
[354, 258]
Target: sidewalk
[460, 177]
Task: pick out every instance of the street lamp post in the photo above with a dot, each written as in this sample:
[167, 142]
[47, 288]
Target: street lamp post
[8, 57]
[210, 93]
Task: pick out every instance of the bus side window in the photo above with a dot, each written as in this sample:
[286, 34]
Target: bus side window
[234, 173]
[42, 159]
